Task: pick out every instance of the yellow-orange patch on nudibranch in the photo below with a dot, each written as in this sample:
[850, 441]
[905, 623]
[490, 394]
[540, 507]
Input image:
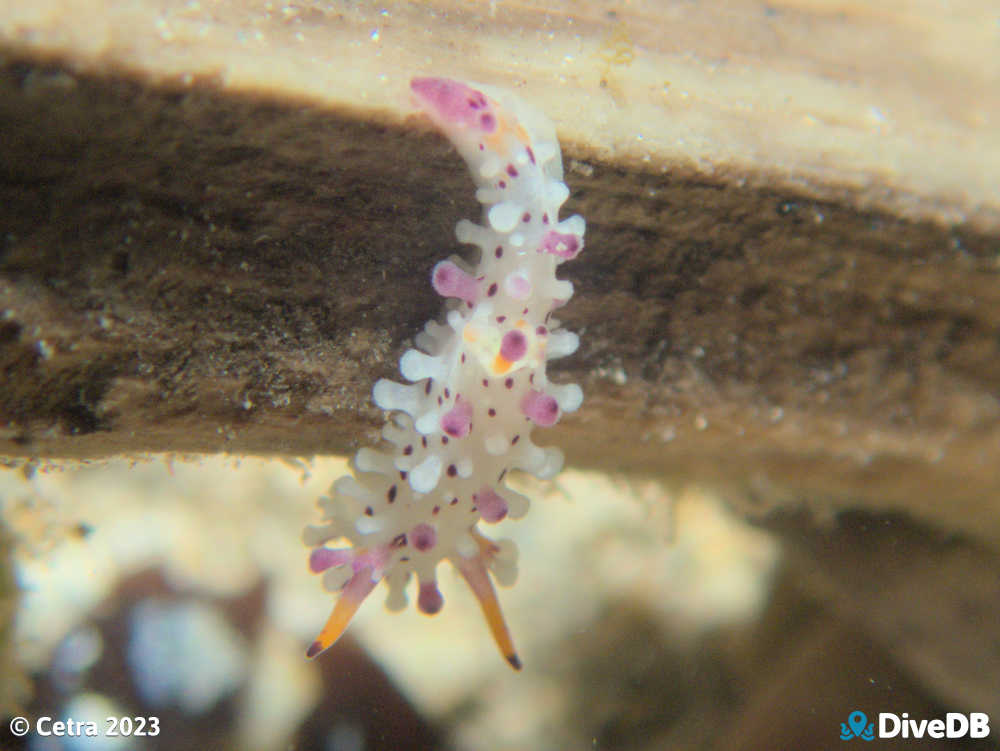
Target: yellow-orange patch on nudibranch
[476, 386]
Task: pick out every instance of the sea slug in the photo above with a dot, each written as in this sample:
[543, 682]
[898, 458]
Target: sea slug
[477, 383]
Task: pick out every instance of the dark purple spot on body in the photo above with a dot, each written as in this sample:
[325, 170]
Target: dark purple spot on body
[391, 495]
[491, 291]
[458, 421]
[501, 319]
[502, 184]
[492, 412]
[369, 511]
[447, 393]
[541, 408]
[531, 154]
[513, 346]
[454, 502]
[541, 331]
[408, 450]
[511, 170]
[399, 540]
[424, 537]
[423, 441]
[486, 383]
[430, 600]
[463, 358]
[509, 383]
[444, 440]
[526, 218]
[436, 510]
[491, 505]
[545, 218]
[487, 122]
[498, 252]
[452, 470]
[515, 439]
[402, 474]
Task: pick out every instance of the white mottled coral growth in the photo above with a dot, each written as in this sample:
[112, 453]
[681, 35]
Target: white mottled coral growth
[477, 383]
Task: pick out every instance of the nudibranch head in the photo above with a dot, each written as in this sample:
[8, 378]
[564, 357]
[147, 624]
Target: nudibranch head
[454, 103]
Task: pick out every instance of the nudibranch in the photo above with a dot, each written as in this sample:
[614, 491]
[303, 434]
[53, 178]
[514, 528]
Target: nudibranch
[477, 383]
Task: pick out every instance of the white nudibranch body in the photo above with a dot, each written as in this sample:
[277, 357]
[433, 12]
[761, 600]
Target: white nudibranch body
[477, 382]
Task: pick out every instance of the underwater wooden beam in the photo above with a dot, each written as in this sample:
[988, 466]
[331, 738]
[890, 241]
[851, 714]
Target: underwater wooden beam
[218, 227]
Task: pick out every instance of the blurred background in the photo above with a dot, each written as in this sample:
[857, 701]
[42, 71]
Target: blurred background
[179, 588]
[646, 618]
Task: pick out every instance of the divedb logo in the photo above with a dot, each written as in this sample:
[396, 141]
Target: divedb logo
[954, 725]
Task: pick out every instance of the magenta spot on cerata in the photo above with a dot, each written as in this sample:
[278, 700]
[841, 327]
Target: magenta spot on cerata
[423, 537]
[513, 345]
[487, 122]
[457, 422]
[323, 558]
[430, 600]
[540, 408]
[560, 244]
[492, 506]
[449, 280]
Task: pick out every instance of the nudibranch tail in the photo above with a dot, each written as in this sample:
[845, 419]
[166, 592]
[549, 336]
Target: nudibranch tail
[477, 383]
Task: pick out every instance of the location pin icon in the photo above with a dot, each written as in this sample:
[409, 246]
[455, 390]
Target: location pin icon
[857, 721]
